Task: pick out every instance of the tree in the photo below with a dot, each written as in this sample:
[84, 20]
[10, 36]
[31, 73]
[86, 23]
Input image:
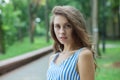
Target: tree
[2, 45]
[95, 24]
[115, 12]
[47, 21]
[32, 10]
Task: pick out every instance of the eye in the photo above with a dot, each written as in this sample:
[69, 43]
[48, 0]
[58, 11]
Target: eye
[57, 26]
[68, 26]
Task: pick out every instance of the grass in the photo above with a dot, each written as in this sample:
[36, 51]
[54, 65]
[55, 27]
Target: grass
[106, 70]
[20, 48]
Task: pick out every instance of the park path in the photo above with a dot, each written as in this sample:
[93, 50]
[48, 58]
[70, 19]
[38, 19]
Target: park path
[35, 70]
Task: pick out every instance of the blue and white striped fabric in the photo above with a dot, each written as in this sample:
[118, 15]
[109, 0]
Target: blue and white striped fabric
[66, 70]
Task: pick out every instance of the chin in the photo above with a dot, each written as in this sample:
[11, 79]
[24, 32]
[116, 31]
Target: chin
[62, 42]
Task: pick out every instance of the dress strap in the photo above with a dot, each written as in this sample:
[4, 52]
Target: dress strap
[57, 54]
[79, 50]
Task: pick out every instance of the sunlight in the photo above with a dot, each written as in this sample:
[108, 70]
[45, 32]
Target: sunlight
[7, 1]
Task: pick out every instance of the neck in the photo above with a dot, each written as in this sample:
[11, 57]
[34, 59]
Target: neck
[70, 48]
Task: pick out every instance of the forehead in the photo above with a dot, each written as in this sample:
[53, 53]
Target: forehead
[60, 19]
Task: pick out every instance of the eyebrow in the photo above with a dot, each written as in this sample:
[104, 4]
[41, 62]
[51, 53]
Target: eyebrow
[64, 23]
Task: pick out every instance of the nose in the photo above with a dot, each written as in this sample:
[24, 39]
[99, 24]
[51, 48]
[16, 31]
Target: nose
[62, 30]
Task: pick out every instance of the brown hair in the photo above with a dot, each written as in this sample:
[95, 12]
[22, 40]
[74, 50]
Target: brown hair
[78, 23]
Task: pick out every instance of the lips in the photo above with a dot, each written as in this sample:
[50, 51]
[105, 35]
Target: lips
[63, 38]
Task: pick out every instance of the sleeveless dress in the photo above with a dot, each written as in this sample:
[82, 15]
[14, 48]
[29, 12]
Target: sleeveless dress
[66, 70]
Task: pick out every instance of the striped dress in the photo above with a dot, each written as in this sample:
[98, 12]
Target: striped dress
[66, 70]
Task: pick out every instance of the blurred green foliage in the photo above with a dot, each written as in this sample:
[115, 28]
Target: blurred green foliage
[16, 18]
[20, 48]
[109, 63]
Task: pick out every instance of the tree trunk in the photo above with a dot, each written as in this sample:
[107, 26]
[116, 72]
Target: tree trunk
[31, 23]
[2, 44]
[95, 26]
[47, 21]
[20, 36]
[117, 16]
[103, 25]
[118, 20]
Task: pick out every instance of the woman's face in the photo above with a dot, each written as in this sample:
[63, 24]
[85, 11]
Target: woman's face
[63, 29]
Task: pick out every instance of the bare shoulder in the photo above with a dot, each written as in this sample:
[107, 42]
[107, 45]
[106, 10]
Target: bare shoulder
[86, 67]
[85, 56]
[51, 57]
[86, 53]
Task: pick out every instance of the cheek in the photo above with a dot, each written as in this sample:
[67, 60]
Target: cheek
[56, 32]
[70, 33]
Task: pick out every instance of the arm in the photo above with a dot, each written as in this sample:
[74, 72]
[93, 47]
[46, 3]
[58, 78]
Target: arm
[86, 67]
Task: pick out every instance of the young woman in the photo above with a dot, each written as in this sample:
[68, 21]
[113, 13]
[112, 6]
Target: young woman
[74, 55]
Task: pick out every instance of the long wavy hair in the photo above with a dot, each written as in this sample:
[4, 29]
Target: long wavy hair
[76, 19]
